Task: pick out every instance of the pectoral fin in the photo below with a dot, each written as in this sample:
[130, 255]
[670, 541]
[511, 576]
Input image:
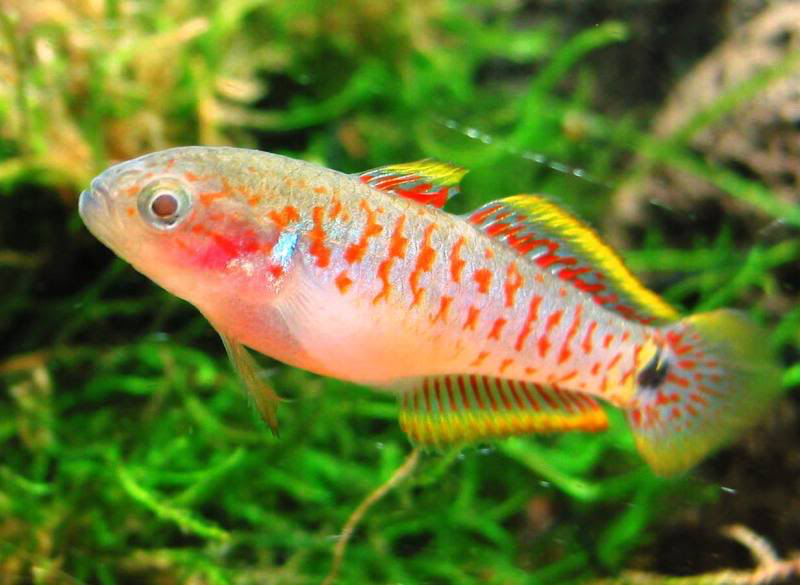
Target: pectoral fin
[442, 410]
[260, 392]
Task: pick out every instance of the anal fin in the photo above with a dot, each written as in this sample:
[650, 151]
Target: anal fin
[452, 409]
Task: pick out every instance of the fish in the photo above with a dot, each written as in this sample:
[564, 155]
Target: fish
[513, 319]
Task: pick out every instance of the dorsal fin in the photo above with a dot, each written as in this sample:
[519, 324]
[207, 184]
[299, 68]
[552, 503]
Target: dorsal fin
[460, 408]
[425, 181]
[568, 248]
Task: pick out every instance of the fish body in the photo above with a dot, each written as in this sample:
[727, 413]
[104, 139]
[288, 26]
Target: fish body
[511, 319]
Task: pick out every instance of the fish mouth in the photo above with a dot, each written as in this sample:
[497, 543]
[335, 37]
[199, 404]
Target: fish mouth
[94, 207]
[93, 200]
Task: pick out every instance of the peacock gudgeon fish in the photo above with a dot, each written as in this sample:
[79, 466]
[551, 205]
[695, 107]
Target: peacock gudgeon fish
[513, 319]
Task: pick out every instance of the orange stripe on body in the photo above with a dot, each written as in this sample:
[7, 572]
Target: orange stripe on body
[552, 320]
[533, 311]
[478, 360]
[472, 318]
[397, 250]
[456, 263]
[284, 217]
[209, 197]
[586, 344]
[544, 346]
[497, 328]
[343, 282]
[355, 252]
[483, 278]
[335, 208]
[424, 263]
[566, 377]
[513, 283]
[614, 361]
[317, 248]
[444, 306]
[565, 352]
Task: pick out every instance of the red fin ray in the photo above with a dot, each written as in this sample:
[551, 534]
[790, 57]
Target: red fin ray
[441, 410]
[426, 181]
[559, 243]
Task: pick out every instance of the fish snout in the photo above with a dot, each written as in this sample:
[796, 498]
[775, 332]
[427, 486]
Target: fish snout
[93, 200]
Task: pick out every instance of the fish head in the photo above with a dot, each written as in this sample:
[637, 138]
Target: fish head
[185, 218]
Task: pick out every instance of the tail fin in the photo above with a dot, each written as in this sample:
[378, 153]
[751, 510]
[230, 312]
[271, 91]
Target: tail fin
[711, 378]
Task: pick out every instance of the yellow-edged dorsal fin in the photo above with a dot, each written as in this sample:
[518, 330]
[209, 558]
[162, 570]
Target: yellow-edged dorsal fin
[426, 181]
[565, 246]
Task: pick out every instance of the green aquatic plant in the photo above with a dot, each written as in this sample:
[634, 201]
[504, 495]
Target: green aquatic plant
[128, 452]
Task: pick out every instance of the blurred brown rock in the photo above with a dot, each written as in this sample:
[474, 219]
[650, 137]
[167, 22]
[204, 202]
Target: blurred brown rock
[759, 139]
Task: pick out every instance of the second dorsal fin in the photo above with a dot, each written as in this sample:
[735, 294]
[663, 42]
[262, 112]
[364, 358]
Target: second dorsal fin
[563, 245]
[425, 181]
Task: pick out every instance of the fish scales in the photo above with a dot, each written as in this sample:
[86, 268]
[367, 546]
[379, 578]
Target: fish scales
[420, 279]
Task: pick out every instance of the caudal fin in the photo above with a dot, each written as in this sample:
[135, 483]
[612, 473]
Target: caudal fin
[711, 378]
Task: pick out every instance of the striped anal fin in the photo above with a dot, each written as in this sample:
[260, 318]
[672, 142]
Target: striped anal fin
[426, 181]
[566, 247]
[452, 409]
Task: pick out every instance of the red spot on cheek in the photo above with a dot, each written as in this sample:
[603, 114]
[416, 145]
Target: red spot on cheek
[215, 247]
[225, 245]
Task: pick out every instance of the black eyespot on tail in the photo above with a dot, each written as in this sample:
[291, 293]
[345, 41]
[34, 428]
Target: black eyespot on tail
[654, 373]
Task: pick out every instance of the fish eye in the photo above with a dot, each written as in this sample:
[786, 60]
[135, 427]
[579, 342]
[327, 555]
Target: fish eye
[164, 204]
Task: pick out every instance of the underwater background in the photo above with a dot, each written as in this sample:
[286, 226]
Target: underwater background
[128, 453]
